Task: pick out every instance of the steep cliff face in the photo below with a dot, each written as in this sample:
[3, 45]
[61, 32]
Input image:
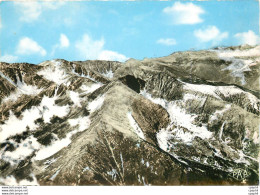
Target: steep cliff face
[186, 119]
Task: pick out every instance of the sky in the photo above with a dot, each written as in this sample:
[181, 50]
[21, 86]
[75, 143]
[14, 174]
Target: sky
[36, 31]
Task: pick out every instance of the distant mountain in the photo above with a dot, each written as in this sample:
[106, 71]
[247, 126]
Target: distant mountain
[191, 118]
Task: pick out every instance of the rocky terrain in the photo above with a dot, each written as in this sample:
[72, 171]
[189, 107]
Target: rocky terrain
[190, 118]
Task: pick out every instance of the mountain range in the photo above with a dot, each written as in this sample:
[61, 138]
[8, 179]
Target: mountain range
[190, 118]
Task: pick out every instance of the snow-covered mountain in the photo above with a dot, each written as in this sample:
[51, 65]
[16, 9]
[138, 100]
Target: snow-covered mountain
[189, 118]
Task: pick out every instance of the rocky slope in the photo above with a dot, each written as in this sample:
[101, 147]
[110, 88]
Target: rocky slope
[191, 118]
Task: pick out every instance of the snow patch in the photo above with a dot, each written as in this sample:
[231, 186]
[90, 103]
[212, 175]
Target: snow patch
[54, 73]
[142, 161]
[96, 104]
[24, 149]
[239, 53]
[108, 74]
[74, 96]
[8, 79]
[49, 162]
[90, 89]
[204, 89]
[122, 162]
[180, 119]
[147, 164]
[11, 181]
[15, 126]
[182, 134]
[49, 109]
[86, 169]
[221, 130]
[22, 88]
[83, 75]
[54, 175]
[135, 126]
[195, 158]
[238, 66]
[228, 91]
[256, 137]
[56, 146]
[217, 91]
[159, 101]
[139, 180]
[242, 158]
[112, 173]
[82, 123]
[219, 113]
[190, 96]
[56, 63]
[163, 137]
[144, 181]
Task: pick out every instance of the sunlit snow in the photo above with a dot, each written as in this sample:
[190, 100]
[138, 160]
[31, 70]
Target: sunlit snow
[55, 175]
[54, 73]
[163, 136]
[83, 75]
[216, 91]
[22, 88]
[74, 96]
[204, 89]
[11, 181]
[80, 124]
[24, 149]
[49, 162]
[96, 104]
[239, 53]
[135, 126]
[47, 109]
[108, 74]
[238, 66]
[112, 173]
[181, 120]
[7, 78]
[219, 113]
[15, 125]
[90, 89]
[57, 145]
